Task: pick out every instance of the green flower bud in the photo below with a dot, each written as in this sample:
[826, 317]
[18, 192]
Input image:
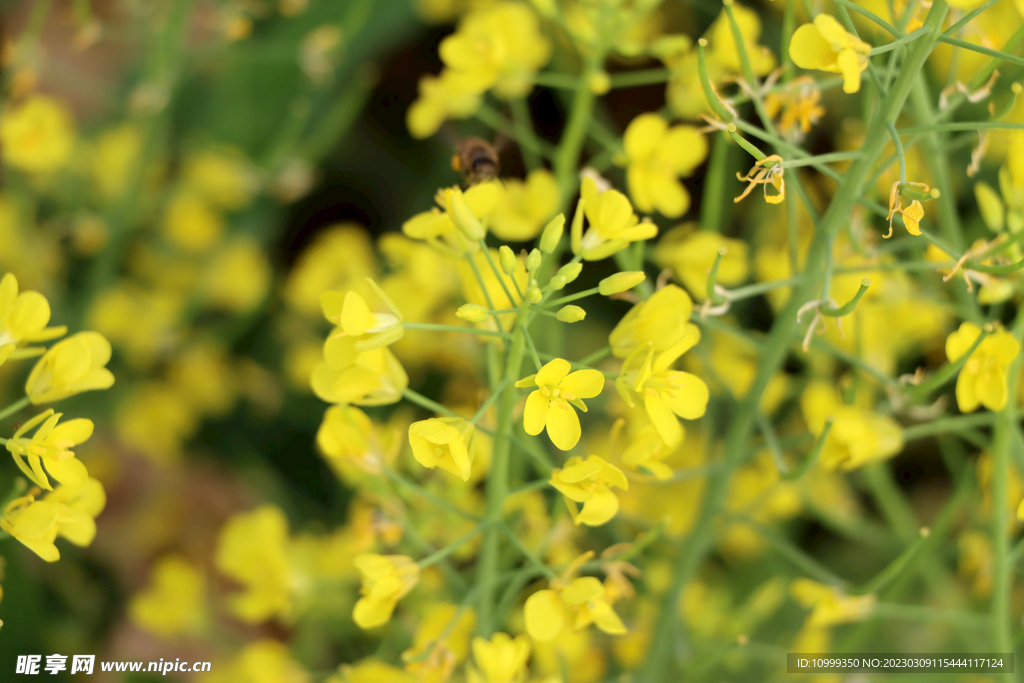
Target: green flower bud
[534, 295]
[557, 282]
[533, 260]
[570, 271]
[507, 259]
[460, 214]
[552, 234]
[571, 314]
[621, 282]
[474, 313]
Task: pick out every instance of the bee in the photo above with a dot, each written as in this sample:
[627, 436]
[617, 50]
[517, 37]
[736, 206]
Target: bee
[476, 159]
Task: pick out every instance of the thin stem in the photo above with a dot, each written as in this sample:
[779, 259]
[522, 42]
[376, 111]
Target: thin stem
[438, 555]
[432, 497]
[900, 155]
[947, 425]
[14, 407]
[526, 136]
[455, 328]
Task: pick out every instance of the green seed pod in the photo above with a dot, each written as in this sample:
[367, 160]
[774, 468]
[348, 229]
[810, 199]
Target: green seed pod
[552, 234]
[621, 282]
[571, 314]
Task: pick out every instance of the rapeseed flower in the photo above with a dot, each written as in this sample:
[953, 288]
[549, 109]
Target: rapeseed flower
[826, 46]
[51, 444]
[367, 378]
[353, 317]
[70, 367]
[656, 155]
[175, 601]
[662, 321]
[578, 603]
[551, 404]
[444, 442]
[691, 253]
[589, 481]
[68, 512]
[440, 643]
[386, 580]
[983, 378]
[858, 436]
[829, 605]
[253, 550]
[37, 136]
[500, 659]
[612, 223]
[347, 439]
[23, 320]
[524, 208]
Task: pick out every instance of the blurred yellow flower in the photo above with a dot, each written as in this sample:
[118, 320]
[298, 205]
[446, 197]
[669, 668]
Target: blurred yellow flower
[443, 442]
[264, 661]
[346, 437]
[551, 405]
[501, 659]
[338, 258]
[441, 643]
[525, 207]
[829, 605]
[224, 178]
[23, 319]
[580, 603]
[113, 158]
[386, 580]
[368, 378]
[353, 317]
[192, 223]
[175, 601]
[70, 367]
[661, 321]
[858, 435]
[826, 46]
[237, 276]
[68, 512]
[656, 156]
[38, 135]
[448, 96]
[691, 253]
[589, 481]
[982, 379]
[252, 549]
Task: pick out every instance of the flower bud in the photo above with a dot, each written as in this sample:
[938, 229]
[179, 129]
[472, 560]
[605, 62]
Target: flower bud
[571, 314]
[534, 295]
[461, 215]
[576, 231]
[507, 259]
[599, 82]
[474, 313]
[557, 282]
[621, 282]
[533, 260]
[552, 234]
[570, 271]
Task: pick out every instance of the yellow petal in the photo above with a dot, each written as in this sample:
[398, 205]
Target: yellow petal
[991, 389]
[809, 49]
[544, 615]
[849, 65]
[966, 396]
[68, 471]
[691, 396]
[581, 590]
[356, 317]
[643, 136]
[552, 373]
[583, 383]
[912, 216]
[960, 341]
[563, 426]
[599, 509]
[535, 413]
[606, 619]
[664, 420]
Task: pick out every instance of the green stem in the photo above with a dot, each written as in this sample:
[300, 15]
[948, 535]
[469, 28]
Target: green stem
[14, 407]
[432, 497]
[895, 568]
[498, 487]
[438, 555]
[947, 425]
[567, 155]
[454, 328]
[526, 136]
[712, 203]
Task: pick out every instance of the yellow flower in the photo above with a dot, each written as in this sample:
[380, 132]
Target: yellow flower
[526, 207]
[498, 46]
[350, 312]
[339, 258]
[826, 46]
[69, 512]
[613, 225]
[666, 393]
[448, 96]
[23, 319]
[858, 435]
[253, 550]
[765, 172]
[691, 253]
[70, 367]
[224, 178]
[551, 405]
[502, 659]
[175, 601]
[830, 606]
[581, 602]
[800, 107]
[264, 661]
[723, 42]
[439, 228]
[51, 444]
[983, 377]
[656, 156]
[386, 580]
[661, 321]
[238, 276]
[368, 378]
[912, 215]
[370, 671]
[438, 646]
[114, 158]
[443, 442]
[37, 136]
[346, 438]
[192, 223]
[589, 482]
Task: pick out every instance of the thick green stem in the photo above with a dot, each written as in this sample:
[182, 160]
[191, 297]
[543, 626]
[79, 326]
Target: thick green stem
[568, 155]
[659, 660]
[497, 487]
